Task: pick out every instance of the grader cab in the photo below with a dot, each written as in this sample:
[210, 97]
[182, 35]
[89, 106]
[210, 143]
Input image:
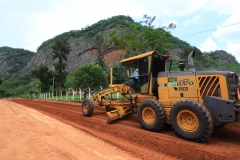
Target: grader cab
[193, 102]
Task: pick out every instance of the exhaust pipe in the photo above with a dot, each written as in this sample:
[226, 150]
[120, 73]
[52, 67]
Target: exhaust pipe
[191, 62]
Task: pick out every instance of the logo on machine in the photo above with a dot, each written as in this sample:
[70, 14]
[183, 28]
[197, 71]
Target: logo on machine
[180, 84]
[180, 88]
[185, 82]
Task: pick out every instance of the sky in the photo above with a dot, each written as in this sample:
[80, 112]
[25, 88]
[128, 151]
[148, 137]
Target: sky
[206, 24]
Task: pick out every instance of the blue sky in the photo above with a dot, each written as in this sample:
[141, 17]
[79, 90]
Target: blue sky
[27, 23]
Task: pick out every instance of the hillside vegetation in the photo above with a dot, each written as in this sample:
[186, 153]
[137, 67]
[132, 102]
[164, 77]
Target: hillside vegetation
[91, 31]
[12, 60]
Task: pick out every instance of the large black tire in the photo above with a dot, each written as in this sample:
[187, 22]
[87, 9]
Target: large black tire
[87, 107]
[191, 120]
[151, 115]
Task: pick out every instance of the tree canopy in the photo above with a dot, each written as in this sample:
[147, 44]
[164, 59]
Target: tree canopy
[16, 86]
[89, 75]
[16, 60]
[61, 49]
[99, 43]
[44, 75]
[140, 39]
[1, 78]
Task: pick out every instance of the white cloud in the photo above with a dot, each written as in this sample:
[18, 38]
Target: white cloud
[74, 15]
[229, 31]
[223, 7]
[234, 49]
[208, 45]
[194, 20]
[183, 7]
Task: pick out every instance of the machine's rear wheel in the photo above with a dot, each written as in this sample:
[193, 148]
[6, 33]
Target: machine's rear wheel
[151, 115]
[87, 107]
[191, 120]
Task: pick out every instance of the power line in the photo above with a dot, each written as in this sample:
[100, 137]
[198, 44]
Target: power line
[210, 30]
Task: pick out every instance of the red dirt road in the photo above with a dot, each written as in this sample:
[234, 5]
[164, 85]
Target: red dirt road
[28, 134]
[127, 134]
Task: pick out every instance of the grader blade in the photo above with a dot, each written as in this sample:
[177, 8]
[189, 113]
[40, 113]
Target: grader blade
[119, 112]
[113, 115]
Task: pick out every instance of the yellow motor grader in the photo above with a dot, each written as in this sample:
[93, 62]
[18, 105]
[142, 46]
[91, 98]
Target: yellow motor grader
[192, 102]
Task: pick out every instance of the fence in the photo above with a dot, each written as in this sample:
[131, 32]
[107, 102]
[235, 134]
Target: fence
[70, 95]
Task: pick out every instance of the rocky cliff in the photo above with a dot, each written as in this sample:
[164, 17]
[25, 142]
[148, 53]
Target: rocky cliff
[80, 54]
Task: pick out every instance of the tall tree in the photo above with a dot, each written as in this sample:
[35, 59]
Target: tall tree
[61, 49]
[98, 42]
[44, 75]
[148, 20]
[141, 38]
[1, 78]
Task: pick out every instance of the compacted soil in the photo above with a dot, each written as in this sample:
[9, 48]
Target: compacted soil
[73, 136]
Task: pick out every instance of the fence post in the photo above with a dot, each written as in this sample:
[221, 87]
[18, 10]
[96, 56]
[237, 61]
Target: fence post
[80, 94]
[66, 94]
[89, 92]
[85, 93]
[73, 95]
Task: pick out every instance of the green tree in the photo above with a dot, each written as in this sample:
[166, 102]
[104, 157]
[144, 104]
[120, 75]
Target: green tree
[16, 86]
[44, 75]
[1, 78]
[119, 73]
[68, 82]
[89, 75]
[141, 38]
[61, 49]
[98, 42]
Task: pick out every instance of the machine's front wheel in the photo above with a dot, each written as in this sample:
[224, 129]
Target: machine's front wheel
[87, 107]
[151, 115]
[191, 120]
